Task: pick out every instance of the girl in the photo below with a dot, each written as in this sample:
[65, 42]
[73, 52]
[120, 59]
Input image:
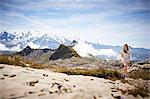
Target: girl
[125, 58]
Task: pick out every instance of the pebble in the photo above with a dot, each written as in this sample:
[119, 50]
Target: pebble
[13, 75]
[41, 94]
[1, 67]
[32, 83]
[5, 74]
[45, 75]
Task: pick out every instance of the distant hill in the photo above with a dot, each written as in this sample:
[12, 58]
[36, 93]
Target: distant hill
[34, 54]
[64, 52]
[25, 51]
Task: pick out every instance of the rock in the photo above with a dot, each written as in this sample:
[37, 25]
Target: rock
[118, 81]
[1, 67]
[94, 97]
[32, 83]
[9, 75]
[114, 90]
[146, 66]
[140, 71]
[50, 92]
[41, 94]
[2, 78]
[92, 79]
[116, 95]
[6, 74]
[53, 84]
[12, 75]
[64, 52]
[68, 90]
[45, 75]
[53, 90]
[66, 79]
[25, 51]
[31, 92]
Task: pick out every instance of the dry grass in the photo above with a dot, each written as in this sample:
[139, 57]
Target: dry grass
[19, 61]
[96, 72]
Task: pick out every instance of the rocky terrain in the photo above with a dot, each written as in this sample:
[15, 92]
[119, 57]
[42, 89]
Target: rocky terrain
[64, 52]
[63, 73]
[28, 83]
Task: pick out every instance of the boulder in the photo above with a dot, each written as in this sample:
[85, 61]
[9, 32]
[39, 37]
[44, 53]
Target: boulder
[140, 71]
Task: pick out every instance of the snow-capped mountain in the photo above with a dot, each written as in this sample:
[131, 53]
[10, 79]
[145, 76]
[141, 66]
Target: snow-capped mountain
[5, 36]
[14, 42]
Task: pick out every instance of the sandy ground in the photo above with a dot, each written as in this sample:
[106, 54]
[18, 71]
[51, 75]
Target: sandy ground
[28, 83]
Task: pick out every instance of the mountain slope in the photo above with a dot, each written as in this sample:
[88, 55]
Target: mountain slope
[14, 42]
[64, 52]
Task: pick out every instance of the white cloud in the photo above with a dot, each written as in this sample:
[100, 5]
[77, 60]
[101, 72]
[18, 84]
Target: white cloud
[84, 49]
[3, 47]
[107, 52]
[32, 45]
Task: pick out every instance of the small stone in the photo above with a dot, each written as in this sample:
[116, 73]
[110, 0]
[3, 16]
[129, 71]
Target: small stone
[32, 83]
[92, 79]
[111, 82]
[1, 67]
[2, 78]
[114, 90]
[13, 75]
[45, 75]
[116, 95]
[30, 92]
[59, 87]
[94, 97]
[54, 84]
[50, 92]
[41, 94]
[5, 74]
[66, 79]
[56, 91]
[118, 81]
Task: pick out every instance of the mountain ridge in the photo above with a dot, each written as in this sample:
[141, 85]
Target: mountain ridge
[19, 42]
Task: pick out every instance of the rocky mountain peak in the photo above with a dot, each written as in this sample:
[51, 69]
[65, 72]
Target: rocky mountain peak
[64, 52]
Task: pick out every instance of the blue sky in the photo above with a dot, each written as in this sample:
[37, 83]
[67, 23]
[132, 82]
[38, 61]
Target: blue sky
[112, 22]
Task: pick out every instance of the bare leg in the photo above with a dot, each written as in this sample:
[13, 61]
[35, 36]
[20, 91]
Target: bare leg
[126, 70]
